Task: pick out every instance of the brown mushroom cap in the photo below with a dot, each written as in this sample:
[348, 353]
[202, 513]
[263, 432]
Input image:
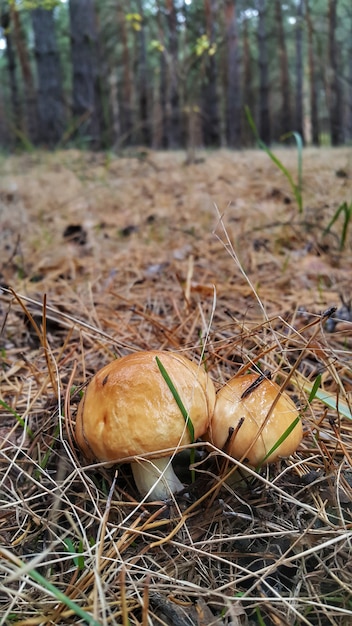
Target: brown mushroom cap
[255, 409]
[128, 408]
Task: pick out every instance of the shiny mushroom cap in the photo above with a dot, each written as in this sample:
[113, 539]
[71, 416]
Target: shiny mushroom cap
[245, 409]
[128, 410]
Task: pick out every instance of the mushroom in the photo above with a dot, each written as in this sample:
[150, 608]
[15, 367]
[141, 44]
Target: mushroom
[128, 410]
[251, 414]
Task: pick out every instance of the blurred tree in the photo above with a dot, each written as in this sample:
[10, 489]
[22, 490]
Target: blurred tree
[233, 77]
[210, 112]
[31, 130]
[313, 79]
[51, 109]
[299, 70]
[285, 119]
[263, 96]
[334, 83]
[16, 112]
[86, 105]
[173, 129]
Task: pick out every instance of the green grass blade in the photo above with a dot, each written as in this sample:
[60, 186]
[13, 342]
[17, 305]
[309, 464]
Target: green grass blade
[18, 418]
[48, 586]
[182, 408]
[281, 439]
[314, 389]
[296, 189]
[177, 398]
[329, 399]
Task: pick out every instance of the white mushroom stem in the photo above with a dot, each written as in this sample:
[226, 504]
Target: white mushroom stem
[155, 478]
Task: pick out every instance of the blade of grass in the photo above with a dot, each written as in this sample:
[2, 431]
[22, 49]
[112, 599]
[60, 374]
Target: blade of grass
[177, 398]
[314, 389]
[182, 408]
[281, 439]
[329, 399]
[296, 189]
[54, 591]
[18, 418]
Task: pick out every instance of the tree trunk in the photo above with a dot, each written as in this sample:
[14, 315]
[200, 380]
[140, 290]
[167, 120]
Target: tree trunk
[349, 88]
[86, 105]
[173, 110]
[313, 82]
[210, 120]
[29, 90]
[335, 95]
[299, 69]
[143, 81]
[248, 94]
[51, 109]
[264, 111]
[126, 86]
[16, 115]
[233, 77]
[285, 115]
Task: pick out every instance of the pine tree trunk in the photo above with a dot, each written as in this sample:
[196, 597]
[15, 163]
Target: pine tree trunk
[349, 90]
[29, 90]
[335, 95]
[143, 96]
[210, 120]
[299, 70]
[264, 111]
[233, 77]
[126, 86]
[173, 110]
[285, 115]
[313, 82]
[51, 110]
[248, 94]
[86, 104]
[16, 114]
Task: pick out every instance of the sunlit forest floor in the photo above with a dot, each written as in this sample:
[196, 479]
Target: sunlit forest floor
[101, 256]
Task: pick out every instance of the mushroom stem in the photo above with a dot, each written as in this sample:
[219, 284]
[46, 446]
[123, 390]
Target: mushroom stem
[156, 478]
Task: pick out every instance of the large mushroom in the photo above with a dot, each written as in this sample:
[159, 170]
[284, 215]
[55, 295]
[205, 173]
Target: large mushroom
[251, 415]
[129, 410]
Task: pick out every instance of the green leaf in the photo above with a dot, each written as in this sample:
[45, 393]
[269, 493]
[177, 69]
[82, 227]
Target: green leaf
[281, 439]
[18, 418]
[177, 398]
[296, 189]
[314, 389]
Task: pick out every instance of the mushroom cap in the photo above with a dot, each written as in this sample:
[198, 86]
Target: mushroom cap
[128, 408]
[255, 409]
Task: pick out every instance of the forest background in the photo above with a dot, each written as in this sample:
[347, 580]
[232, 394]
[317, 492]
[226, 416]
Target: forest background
[174, 73]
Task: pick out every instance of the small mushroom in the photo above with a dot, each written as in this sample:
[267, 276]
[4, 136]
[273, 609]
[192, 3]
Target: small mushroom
[251, 414]
[128, 410]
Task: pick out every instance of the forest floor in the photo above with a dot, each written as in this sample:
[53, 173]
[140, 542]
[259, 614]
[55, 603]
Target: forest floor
[101, 256]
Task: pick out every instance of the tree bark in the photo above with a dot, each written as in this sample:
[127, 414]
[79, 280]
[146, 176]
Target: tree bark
[143, 95]
[126, 86]
[285, 114]
[173, 106]
[210, 119]
[264, 111]
[51, 110]
[248, 93]
[335, 89]
[299, 70]
[313, 82]
[86, 104]
[16, 112]
[30, 95]
[233, 77]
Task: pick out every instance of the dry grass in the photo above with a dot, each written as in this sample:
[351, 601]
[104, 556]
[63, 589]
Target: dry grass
[157, 265]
